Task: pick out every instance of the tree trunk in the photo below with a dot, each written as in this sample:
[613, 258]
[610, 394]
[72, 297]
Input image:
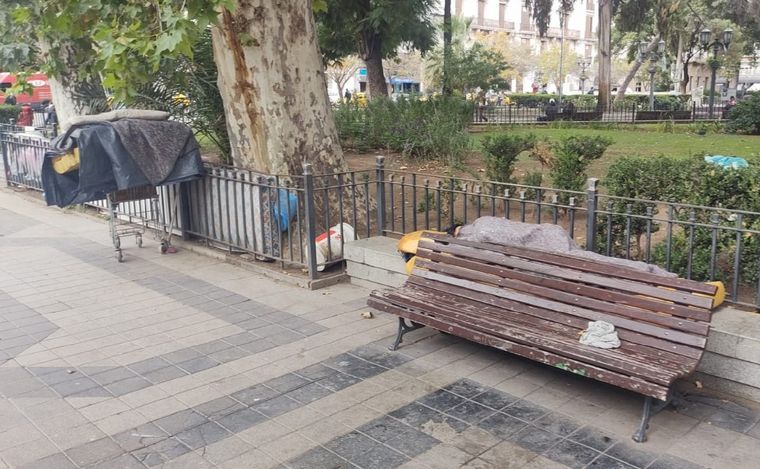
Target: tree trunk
[632, 72]
[272, 83]
[71, 94]
[375, 75]
[605, 53]
[446, 46]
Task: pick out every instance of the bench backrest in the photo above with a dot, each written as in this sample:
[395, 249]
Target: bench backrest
[664, 317]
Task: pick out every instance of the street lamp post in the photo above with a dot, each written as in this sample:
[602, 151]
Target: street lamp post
[720, 44]
[654, 56]
[584, 64]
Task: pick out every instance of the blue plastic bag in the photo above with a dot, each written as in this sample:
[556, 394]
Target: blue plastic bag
[727, 162]
[287, 210]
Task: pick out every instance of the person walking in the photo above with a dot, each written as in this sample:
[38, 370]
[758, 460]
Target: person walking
[26, 116]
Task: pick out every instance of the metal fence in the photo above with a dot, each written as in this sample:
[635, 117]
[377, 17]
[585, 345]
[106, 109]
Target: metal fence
[285, 218]
[615, 113]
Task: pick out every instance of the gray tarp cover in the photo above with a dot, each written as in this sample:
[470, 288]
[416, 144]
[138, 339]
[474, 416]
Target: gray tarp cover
[120, 155]
[545, 237]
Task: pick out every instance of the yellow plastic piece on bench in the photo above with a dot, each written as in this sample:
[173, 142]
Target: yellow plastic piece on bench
[408, 243]
[66, 162]
[409, 267]
[720, 294]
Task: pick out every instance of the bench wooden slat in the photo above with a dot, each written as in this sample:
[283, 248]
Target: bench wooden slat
[469, 279]
[682, 352]
[678, 363]
[627, 382]
[555, 343]
[570, 293]
[569, 274]
[586, 265]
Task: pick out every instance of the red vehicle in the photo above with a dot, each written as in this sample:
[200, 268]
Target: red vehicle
[40, 88]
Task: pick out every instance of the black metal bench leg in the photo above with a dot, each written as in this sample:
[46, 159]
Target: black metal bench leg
[651, 408]
[641, 434]
[403, 328]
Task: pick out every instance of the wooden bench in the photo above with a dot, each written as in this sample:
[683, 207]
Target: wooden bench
[536, 303]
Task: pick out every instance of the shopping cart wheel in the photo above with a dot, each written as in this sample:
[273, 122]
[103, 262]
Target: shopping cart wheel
[117, 242]
[138, 241]
[164, 247]
[119, 255]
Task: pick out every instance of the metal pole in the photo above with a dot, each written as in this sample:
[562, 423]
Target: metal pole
[652, 71]
[714, 67]
[561, 59]
[380, 176]
[591, 200]
[310, 217]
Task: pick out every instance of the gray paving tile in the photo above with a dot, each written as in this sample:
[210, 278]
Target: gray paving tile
[470, 412]
[112, 375]
[418, 416]
[627, 453]
[309, 393]
[212, 346]
[180, 421]
[203, 435]
[572, 454]
[365, 452]
[257, 345]
[125, 461]
[734, 421]
[337, 381]
[241, 420]
[198, 364]
[94, 451]
[525, 410]
[316, 372]
[276, 406]
[671, 462]
[150, 364]
[502, 425]
[182, 355]
[606, 462]
[494, 399]
[140, 437]
[229, 354]
[593, 437]
[126, 386]
[535, 439]
[287, 382]
[254, 394]
[412, 443]
[240, 339]
[54, 461]
[161, 452]
[76, 386]
[441, 400]
[385, 428]
[318, 458]
[557, 423]
[354, 366]
[164, 374]
[465, 388]
[219, 407]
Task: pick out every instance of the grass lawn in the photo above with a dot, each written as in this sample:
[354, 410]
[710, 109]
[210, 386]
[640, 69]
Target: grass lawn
[646, 140]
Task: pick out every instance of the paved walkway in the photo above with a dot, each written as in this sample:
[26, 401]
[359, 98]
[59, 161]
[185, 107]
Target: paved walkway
[180, 361]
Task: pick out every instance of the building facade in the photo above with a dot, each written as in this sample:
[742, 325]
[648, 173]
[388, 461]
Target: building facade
[511, 17]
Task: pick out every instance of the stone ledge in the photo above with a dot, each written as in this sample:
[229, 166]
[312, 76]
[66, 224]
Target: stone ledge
[378, 251]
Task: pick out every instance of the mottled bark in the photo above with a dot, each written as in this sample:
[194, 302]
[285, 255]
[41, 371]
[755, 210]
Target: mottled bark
[272, 82]
[73, 95]
[446, 46]
[634, 69]
[605, 53]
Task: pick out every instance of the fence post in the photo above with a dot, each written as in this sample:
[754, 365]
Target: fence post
[6, 162]
[185, 222]
[310, 216]
[633, 113]
[693, 111]
[591, 200]
[380, 181]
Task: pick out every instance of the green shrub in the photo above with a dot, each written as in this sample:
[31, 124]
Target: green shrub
[501, 152]
[8, 112]
[535, 179]
[435, 128]
[745, 116]
[572, 156]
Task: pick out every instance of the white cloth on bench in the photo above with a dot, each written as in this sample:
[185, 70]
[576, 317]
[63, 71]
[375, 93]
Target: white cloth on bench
[600, 334]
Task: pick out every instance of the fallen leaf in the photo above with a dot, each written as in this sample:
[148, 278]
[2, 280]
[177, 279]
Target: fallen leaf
[368, 315]
[698, 384]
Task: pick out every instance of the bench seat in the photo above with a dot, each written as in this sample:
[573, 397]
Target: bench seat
[536, 303]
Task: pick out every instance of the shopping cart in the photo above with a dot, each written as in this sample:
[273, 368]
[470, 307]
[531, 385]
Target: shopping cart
[129, 212]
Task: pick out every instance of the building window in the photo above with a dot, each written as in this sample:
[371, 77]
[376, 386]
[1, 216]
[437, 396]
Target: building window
[502, 13]
[589, 50]
[589, 26]
[590, 5]
[481, 10]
